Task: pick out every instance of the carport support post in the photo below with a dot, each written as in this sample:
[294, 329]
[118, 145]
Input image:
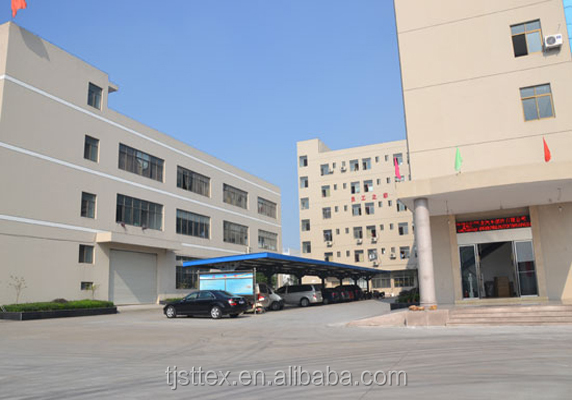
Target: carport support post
[425, 252]
[323, 283]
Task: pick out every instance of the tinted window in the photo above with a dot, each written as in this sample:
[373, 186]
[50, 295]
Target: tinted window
[192, 296]
[295, 289]
[306, 288]
[205, 295]
[281, 290]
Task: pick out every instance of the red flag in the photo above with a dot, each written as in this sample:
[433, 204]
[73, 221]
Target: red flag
[18, 5]
[397, 173]
[547, 155]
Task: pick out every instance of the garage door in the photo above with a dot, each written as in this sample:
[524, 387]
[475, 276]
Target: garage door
[132, 277]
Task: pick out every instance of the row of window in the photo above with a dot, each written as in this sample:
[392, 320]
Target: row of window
[143, 164]
[148, 215]
[354, 165]
[327, 211]
[359, 255]
[401, 279]
[355, 187]
[371, 230]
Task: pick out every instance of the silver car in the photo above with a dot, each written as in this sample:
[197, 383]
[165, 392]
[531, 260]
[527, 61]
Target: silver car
[302, 295]
[267, 298]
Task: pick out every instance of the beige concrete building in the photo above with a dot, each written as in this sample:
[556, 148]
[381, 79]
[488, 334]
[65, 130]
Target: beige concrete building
[349, 212]
[91, 197]
[483, 84]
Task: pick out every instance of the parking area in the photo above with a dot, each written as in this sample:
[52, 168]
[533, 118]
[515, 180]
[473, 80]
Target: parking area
[126, 356]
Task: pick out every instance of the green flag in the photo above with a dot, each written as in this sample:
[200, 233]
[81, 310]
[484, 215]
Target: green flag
[458, 161]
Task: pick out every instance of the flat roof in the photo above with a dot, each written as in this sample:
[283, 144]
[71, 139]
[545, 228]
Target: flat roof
[283, 264]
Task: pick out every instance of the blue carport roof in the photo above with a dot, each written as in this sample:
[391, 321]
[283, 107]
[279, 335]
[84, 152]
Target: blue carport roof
[284, 264]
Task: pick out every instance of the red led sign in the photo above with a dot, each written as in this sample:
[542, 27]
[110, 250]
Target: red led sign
[495, 224]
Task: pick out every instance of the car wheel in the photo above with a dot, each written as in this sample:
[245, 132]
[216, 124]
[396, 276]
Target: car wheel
[170, 312]
[326, 302]
[216, 312]
[233, 315]
[304, 302]
[275, 306]
[281, 306]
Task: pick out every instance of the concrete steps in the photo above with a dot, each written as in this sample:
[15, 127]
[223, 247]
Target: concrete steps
[531, 315]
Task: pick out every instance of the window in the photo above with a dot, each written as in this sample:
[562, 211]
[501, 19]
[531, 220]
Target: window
[192, 224]
[386, 158]
[303, 161]
[325, 169]
[382, 281]
[305, 225]
[358, 256]
[369, 208]
[335, 186]
[186, 278]
[235, 233]
[371, 232]
[336, 209]
[368, 186]
[345, 207]
[390, 227]
[91, 149]
[87, 205]
[366, 163]
[347, 231]
[389, 203]
[326, 212]
[338, 254]
[326, 191]
[401, 206]
[266, 207]
[306, 247]
[328, 237]
[399, 158]
[354, 165]
[328, 256]
[378, 181]
[405, 279]
[345, 185]
[403, 228]
[94, 96]
[354, 187]
[234, 196]
[388, 180]
[381, 227]
[404, 252]
[140, 163]
[85, 254]
[380, 204]
[526, 38]
[358, 232]
[356, 210]
[537, 102]
[136, 212]
[347, 253]
[383, 250]
[372, 254]
[303, 182]
[304, 203]
[337, 231]
[376, 159]
[86, 285]
[193, 181]
[267, 240]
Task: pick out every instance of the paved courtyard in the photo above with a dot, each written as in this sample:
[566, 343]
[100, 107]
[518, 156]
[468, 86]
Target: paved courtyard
[126, 356]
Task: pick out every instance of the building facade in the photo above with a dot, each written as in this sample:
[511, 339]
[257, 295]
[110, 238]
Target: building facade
[93, 203]
[349, 212]
[487, 88]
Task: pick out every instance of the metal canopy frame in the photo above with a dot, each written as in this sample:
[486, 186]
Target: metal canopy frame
[273, 263]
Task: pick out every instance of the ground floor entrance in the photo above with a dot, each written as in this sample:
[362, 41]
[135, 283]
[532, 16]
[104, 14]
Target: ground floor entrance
[498, 269]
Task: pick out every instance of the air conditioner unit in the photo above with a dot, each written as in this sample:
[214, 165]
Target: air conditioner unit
[375, 264]
[552, 41]
[359, 241]
[374, 240]
[392, 256]
[329, 243]
[343, 169]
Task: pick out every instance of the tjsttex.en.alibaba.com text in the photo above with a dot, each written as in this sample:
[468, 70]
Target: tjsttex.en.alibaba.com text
[292, 376]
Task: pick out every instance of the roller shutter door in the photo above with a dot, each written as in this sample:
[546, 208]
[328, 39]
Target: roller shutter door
[132, 277]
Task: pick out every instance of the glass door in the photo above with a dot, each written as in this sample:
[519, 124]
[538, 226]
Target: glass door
[526, 268]
[469, 272]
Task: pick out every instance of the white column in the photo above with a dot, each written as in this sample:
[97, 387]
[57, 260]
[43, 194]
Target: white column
[426, 274]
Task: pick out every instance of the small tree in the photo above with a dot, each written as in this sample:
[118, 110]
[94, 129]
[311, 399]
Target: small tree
[93, 289]
[19, 284]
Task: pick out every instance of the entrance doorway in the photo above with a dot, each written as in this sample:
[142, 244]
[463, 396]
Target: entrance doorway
[498, 269]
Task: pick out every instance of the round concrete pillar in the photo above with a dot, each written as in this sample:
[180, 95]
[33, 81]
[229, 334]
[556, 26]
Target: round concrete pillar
[426, 273]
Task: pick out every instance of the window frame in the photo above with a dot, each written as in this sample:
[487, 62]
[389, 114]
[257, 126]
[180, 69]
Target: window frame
[536, 97]
[82, 257]
[198, 183]
[83, 200]
[234, 196]
[95, 93]
[130, 158]
[525, 33]
[87, 148]
[233, 231]
[199, 227]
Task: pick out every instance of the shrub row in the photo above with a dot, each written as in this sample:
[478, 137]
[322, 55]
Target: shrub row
[52, 306]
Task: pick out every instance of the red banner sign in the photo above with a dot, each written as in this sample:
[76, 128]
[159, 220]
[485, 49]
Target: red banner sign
[495, 224]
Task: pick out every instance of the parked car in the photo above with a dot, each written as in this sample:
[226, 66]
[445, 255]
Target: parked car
[302, 295]
[331, 295]
[268, 299]
[215, 303]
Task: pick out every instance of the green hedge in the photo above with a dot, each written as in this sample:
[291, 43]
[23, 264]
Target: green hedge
[173, 299]
[51, 306]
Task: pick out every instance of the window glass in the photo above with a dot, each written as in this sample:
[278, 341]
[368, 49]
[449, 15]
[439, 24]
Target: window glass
[266, 207]
[87, 205]
[91, 149]
[234, 196]
[304, 203]
[519, 45]
[192, 224]
[235, 233]
[534, 42]
[193, 181]
[545, 107]
[267, 240]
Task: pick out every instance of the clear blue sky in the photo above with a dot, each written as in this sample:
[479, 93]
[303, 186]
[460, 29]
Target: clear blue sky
[243, 80]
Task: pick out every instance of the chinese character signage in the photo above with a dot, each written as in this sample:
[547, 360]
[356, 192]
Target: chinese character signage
[495, 224]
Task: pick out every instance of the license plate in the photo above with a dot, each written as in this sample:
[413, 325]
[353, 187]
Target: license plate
[241, 302]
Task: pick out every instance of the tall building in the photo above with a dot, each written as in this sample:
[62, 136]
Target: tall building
[91, 199]
[349, 212]
[487, 87]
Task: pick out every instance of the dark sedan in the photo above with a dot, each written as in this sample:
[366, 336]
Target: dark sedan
[215, 303]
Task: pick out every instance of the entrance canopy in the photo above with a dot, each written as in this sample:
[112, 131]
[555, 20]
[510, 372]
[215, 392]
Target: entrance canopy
[272, 263]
